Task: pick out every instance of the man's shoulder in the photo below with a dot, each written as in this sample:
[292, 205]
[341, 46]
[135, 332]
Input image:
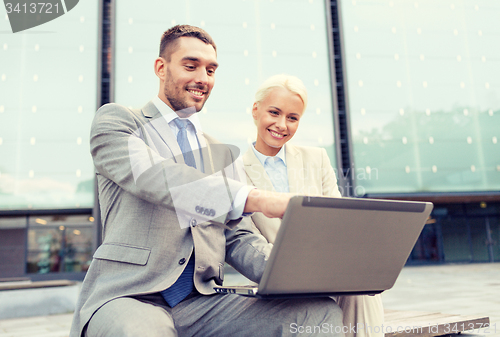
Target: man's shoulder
[117, 113]
[218, 148]
[210, 139]
[113, 116]
[118, 109]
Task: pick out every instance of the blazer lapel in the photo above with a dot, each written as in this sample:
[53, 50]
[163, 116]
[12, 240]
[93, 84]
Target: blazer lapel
[160, 125]
[206, 153]
[255, 171]
[258, 177]
[295, 169]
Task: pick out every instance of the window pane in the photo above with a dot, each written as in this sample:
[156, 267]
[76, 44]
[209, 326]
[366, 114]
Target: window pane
[59, 243]
[478, 239]
[423, 84]
[11, 222]
[426, 247]
[456, 243]
[257, 43]
[78, 249]
[495, 237]
[44, 250]
[48, 81]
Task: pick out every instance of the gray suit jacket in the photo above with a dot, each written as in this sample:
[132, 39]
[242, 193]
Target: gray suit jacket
[309, 173]
[156, 212]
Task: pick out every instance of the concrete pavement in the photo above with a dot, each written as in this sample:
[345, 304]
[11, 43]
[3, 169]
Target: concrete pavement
[466, 289]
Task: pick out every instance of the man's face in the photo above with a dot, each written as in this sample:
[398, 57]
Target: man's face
[190, 75]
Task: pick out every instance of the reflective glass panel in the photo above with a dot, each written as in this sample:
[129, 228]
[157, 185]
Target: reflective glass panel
[494, 223]
[456, 243]
[48, 86]
[59, 243]
[44, 250]
[423, 81]
[478, 239]
[426, 247]
[255, 40]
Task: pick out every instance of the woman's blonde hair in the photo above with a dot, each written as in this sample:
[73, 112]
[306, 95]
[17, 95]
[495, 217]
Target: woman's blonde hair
[291, 83]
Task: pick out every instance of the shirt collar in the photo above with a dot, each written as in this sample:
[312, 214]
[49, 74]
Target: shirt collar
[262, 158]
[170, 115]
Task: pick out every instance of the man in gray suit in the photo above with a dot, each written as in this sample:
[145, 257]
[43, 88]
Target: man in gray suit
[173, 211]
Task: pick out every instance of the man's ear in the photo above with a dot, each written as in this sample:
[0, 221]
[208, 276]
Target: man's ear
[160, 67]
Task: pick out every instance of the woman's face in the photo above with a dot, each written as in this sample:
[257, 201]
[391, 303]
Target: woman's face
[277, 118]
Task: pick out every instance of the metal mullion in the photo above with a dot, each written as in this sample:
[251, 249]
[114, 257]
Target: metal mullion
[347, 163]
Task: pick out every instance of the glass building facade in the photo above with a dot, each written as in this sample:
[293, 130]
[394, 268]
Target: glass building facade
[423, 99]
[48, 96]
[424, 94]
[420, 109]
[255, 44]
[48, 85]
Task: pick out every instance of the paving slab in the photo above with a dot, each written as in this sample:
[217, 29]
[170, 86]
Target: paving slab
[465, 289]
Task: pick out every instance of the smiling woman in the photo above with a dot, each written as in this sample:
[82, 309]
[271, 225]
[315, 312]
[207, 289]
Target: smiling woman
[271, 164]
[279, 104]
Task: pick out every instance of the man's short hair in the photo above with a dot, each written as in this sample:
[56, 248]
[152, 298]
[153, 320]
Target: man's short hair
[169, 38]
[291, 83]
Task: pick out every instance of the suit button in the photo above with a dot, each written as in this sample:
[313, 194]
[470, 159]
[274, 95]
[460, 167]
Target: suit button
[182, 261]
[212, 212]
[193, 223]
[197, 209]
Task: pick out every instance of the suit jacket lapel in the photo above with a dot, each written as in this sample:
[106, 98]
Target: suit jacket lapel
[259, 178]
[295, 169]
[255, 171]
[157, 122]
[206, 153]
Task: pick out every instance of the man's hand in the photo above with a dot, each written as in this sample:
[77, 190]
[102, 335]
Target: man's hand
[271, 204]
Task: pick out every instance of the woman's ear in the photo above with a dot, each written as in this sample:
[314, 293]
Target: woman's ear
[254, 111]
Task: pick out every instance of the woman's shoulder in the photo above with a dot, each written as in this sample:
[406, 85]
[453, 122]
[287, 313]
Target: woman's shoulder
[311, 154]
[314, 150]
[248, 156]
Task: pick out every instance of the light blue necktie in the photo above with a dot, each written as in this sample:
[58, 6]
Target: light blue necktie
[184, 284]
[183, 141]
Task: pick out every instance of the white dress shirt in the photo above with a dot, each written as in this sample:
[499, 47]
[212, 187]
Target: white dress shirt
[275, 167]
[193, 129]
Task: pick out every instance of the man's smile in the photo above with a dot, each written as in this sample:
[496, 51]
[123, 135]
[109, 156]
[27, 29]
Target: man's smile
[197, 93]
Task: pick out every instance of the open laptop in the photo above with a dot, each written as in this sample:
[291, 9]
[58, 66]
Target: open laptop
[339, 246]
